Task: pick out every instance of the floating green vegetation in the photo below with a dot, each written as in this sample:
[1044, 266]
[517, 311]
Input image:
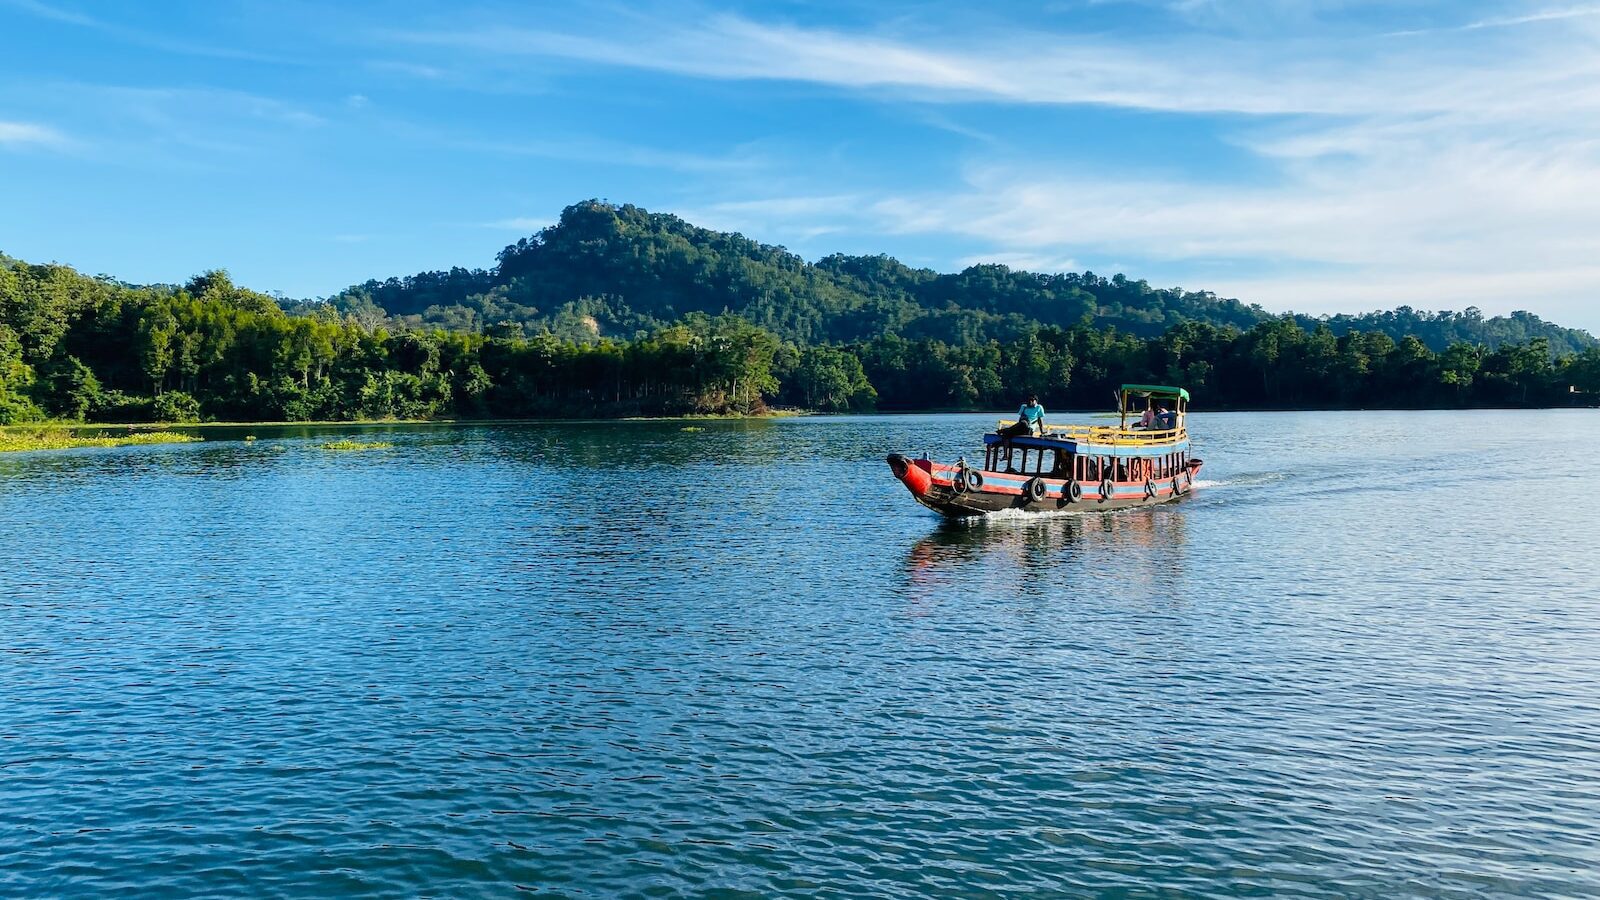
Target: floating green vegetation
[16, 440]
[357, 445]
[691, 428]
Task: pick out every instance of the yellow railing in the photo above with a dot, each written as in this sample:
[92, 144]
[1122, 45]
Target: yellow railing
[1112, 434]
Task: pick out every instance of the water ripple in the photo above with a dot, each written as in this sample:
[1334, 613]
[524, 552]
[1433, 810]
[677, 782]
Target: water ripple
[627, 660]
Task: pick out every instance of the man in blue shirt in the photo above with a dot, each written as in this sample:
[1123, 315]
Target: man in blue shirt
[1030, 419]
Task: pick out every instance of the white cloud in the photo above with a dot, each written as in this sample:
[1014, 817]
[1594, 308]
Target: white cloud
[179, 106]
[1341, 76]
[1506, 224]
[1437, 171]
[1547, 15]
[154, 40]
[19, 134]
[54, 14]
[414, 70]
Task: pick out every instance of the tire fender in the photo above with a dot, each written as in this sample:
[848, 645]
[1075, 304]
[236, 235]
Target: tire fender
[1034, 490]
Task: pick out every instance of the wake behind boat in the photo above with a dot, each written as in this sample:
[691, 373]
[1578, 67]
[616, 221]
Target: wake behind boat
[1093, 467]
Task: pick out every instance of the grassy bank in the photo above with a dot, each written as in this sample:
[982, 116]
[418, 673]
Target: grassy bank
[17, 440]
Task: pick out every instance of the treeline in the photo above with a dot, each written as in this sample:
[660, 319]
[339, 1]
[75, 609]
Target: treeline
[622, 272]
[74, 347]
[1275, 364]
[89, 349]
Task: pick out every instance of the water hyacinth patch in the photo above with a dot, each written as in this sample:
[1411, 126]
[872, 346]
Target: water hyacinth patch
[357, 445]
[22, 440]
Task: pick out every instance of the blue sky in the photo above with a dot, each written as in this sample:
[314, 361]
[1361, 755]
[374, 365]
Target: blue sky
[1320, 155]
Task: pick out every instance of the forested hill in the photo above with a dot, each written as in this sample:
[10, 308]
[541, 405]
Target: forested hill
[620, 271]
[79, 348]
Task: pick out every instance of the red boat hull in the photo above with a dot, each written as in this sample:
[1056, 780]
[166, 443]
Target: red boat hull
[950, 491]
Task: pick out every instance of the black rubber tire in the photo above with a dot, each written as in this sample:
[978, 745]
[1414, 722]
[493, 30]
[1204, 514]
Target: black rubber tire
[1108, 489]
[974, 480]
[1149, 488]
[1177, 486]
[1073, 492]
[1034, 490]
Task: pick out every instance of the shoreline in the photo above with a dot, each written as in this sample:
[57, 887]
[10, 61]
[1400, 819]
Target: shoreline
[136, 427]
[60, 425]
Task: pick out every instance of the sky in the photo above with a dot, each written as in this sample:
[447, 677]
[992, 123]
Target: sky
[1319, 156]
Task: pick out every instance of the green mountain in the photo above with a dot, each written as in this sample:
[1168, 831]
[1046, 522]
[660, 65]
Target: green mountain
[621, 271]
[80, 348]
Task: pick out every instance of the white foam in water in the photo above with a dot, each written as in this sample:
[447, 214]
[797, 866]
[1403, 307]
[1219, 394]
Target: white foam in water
[1017, 515]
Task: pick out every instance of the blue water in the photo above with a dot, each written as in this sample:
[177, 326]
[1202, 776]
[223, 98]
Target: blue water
[635, 660]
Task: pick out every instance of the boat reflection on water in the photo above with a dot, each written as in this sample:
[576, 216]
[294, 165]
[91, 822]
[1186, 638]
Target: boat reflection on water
[1132, 552]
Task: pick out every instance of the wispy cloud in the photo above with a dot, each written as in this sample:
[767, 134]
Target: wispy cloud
[1545, 15]
[53, 13]
[163, 127]
[402, 67]
[1498, 226]
[1456, 164]
[154, 40]
[1548, 15]
[31, 134]
[1411, 172]
[179, 105]
[1339, 77]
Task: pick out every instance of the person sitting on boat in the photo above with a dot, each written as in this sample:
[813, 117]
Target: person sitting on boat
[1030, 419]
[1148, 420]
[1166, 419]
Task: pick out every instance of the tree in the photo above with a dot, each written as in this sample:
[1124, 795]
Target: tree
[1583, 373]
[832, 380]
[155, 338]
[177, 406]
[1458, 367]
[16, 381]
[70, 389]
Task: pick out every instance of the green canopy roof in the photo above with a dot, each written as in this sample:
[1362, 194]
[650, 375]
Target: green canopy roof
[1156, 390]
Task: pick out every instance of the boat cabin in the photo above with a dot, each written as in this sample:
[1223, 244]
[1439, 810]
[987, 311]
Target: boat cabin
[1141, 401]
[1145, 444]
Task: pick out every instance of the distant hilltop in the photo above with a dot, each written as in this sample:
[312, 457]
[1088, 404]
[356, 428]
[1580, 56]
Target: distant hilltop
[511, 343]
[622, 271]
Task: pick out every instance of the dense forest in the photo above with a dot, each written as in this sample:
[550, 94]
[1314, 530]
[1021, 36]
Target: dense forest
[621, 272]
[677, 320]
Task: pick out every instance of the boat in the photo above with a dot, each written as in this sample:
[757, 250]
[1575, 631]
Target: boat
[1083, 467]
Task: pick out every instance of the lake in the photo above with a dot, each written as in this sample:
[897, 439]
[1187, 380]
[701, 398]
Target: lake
[641, 659]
